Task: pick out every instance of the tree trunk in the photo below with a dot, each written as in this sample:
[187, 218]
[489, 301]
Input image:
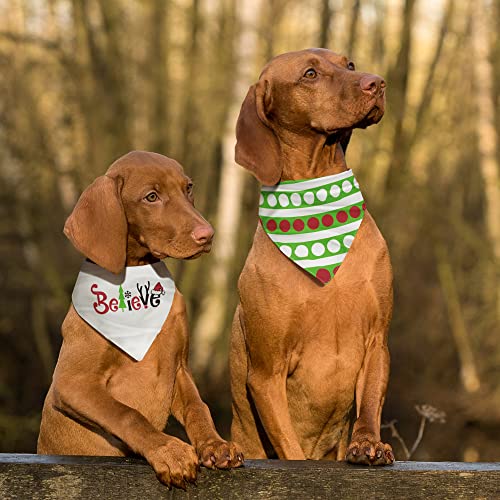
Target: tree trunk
[326, 14]
[212, 314]
[427, 93]
[486, 133]
[378, 49]
[397, 97]
[269, 22]
[495, 58]
[353, 28]
[468, 371]
[190, 131]
[159, 77]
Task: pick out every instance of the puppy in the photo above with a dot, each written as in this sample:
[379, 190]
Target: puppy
[123, 365]
[309, 337]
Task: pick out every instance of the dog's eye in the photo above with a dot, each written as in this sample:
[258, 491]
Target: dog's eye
[151, 197]
[350, 66]
[189, 188]
[311, 73]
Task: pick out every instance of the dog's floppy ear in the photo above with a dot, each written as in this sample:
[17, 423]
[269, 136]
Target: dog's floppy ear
[97, 227]
[257, 148]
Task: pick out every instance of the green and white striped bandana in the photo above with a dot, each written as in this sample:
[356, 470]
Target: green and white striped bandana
[314, 221]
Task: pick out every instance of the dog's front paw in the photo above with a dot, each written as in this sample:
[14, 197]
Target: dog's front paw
[175, 463]
[220, 454]
[369, 451]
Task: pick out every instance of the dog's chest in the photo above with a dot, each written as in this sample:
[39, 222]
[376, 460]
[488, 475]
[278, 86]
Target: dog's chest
[325, 326]
[148, 385]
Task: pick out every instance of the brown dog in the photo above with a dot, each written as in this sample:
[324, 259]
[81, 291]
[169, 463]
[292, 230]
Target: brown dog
[301, 352]
[101, 401]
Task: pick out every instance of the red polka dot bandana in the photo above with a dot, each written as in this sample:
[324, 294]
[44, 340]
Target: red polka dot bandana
[314, 222]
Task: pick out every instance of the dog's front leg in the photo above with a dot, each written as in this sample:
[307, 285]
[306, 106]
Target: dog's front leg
[365, 446]
[88, 402]
[194, 415]
[268, 390]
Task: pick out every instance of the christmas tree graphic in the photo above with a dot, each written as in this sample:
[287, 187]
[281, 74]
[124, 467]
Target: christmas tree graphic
[122, 304]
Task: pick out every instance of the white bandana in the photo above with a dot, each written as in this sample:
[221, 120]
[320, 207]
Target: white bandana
[129, 309]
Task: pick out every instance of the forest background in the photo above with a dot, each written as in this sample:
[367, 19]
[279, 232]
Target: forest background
[84, 81]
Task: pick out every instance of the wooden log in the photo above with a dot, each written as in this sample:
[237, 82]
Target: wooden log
[69, 477]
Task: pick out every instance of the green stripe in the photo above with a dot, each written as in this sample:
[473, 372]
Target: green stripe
[316, 202]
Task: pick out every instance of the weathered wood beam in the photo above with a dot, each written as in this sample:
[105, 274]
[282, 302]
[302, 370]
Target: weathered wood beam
[44, 477]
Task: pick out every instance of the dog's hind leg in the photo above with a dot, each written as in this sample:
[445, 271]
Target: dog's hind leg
[244, 430]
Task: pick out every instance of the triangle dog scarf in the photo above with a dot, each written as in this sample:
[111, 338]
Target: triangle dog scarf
[129, 309]
[314, 221]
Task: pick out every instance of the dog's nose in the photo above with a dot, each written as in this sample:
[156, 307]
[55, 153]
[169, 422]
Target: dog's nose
[371, 84]
[203, 234]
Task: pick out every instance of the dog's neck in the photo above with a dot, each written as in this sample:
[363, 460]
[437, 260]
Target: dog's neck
[312, 156]
[138, 254]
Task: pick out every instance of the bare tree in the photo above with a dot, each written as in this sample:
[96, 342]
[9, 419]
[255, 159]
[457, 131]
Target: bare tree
[397, 97]
[158, 67]
[486, 133]
[353, 28]
[325, 20]
[212, 315]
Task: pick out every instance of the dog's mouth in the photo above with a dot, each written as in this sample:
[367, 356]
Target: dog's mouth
[179, 254]
[200, 252]
[159, 255]
[373, 116]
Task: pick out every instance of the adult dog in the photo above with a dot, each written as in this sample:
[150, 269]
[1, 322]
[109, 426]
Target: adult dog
[102, 401]
[304, 352]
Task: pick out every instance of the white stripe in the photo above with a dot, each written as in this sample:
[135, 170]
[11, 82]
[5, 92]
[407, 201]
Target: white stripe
[314, 236]
[325, 261]
[308, 184]
[300, 212]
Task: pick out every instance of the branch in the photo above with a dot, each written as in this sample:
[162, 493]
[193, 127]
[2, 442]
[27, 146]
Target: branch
[395, 434]
[420, 435]
[43, 43]
[429, 85]
[468, 370]
[31, 40]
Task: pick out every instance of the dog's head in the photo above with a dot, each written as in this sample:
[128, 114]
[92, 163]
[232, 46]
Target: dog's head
[142, 206]
[309, 92]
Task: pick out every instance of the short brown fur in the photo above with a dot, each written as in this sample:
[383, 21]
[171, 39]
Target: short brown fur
[303, 354]
[101, 401]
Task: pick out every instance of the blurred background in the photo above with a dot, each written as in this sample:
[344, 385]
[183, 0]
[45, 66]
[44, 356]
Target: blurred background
[84, 81]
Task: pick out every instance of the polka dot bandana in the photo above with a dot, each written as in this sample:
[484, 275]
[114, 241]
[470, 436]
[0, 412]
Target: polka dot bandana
[314, 222]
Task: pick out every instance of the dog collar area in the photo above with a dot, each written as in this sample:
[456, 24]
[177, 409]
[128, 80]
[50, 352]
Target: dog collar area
[313, 222]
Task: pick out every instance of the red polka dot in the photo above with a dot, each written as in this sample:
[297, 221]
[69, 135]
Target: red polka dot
[323, 275]
[271, 225]
[336, 270]
[354, 212]
[298, 224]
[313, 223]
[364, 206]
[285, 226]
[327, 220]
[341, 216]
